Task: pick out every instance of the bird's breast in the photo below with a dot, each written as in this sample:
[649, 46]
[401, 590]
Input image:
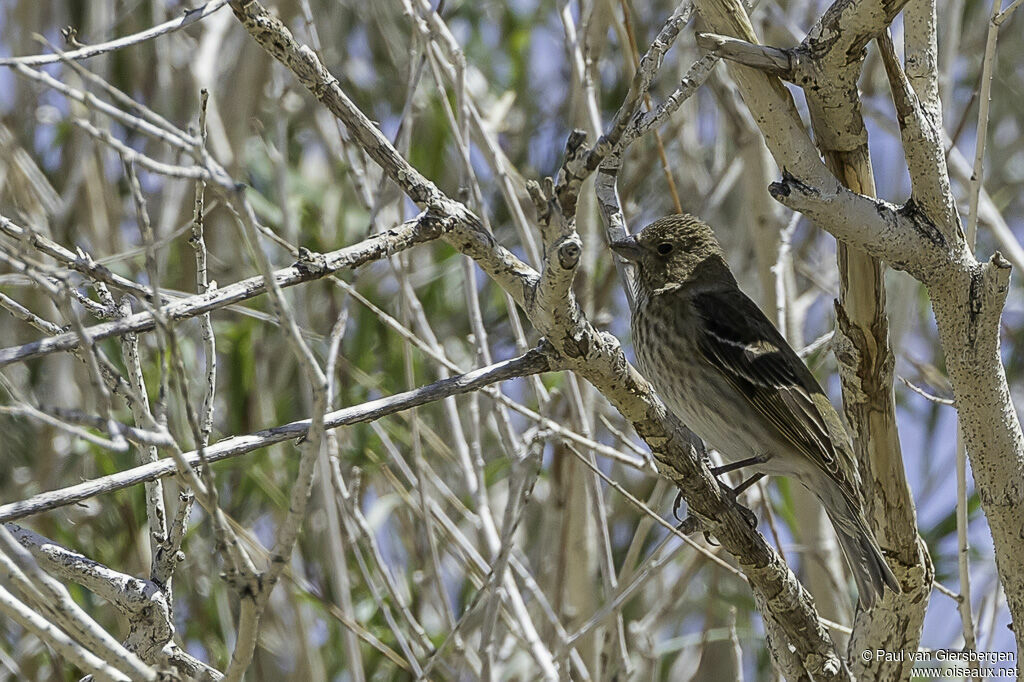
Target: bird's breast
[665, 340]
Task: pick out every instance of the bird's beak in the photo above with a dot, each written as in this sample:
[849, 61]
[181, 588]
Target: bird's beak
[628, 248]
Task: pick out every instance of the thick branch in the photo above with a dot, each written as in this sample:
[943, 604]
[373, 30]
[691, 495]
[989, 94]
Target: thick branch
[789, 611]
[52, 600]
[827, 65]
[901, 236]
[967, 309]
[771, 60]
[930, 246]
[142, 602]
[922, 143]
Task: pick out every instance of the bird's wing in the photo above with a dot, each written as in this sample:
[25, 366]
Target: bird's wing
[748, 350]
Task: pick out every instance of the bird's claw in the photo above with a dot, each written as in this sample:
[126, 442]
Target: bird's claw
[691, 524]
[688, 526]
[749, 516]
[675, 508]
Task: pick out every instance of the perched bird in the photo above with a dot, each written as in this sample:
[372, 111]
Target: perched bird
[723, 368]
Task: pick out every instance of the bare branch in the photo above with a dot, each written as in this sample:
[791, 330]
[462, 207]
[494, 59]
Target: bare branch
[533, 362]
[190, 17]
[771, 60]
[423, 229]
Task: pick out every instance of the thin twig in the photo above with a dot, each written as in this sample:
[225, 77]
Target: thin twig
[190, 17]
[533, 362]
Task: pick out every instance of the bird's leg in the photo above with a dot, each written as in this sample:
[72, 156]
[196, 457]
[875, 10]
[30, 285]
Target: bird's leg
[690, 523]
[742, 487]
[741, 464]
[724, 469]
[739, 490]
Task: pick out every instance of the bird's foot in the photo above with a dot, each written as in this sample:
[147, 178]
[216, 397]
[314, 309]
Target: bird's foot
[675, 507]
[733, 493]
[748, 515]
[691, 524]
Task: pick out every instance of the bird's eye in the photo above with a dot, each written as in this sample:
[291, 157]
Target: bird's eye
[664, 248]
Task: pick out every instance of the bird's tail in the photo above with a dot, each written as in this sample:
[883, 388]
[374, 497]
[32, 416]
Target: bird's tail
[865, 559]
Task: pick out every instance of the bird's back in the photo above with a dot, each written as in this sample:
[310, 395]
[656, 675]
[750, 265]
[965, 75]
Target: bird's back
[721, 366]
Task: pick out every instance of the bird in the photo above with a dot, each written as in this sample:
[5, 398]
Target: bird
[720, 365]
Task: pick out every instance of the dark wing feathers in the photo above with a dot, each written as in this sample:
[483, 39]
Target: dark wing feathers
[738, 339]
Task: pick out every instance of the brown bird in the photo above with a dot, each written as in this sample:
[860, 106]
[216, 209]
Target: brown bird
[723, 368]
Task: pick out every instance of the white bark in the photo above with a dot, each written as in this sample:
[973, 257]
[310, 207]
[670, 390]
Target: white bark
[922, 237]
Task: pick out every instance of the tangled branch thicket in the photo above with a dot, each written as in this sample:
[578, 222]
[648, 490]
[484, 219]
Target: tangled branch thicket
[227, 234]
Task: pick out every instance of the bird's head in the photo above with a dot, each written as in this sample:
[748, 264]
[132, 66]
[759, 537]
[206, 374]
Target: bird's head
[672, 251]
